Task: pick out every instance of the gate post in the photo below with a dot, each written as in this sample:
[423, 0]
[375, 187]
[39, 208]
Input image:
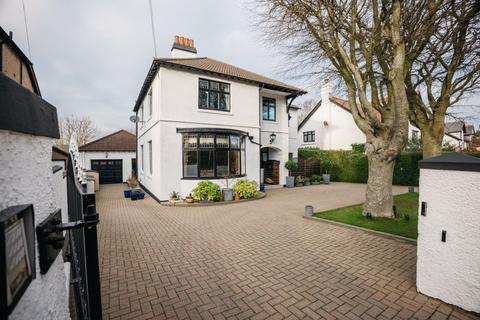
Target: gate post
[448, 251]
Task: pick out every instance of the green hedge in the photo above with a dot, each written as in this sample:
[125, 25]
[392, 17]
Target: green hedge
[350, 166]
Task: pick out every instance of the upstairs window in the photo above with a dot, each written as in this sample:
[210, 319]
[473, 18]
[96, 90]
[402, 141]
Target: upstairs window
[309, 136]
[150, 103]
[213, 95]
[269, 109]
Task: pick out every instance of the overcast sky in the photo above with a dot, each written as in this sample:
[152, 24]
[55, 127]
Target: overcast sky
[91, 56]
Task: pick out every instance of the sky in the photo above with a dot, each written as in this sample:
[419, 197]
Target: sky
[91, 56]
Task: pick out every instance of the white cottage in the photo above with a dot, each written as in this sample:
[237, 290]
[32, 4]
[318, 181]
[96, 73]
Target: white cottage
[200, 118]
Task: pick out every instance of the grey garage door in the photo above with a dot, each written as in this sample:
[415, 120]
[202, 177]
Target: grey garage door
[110, 171]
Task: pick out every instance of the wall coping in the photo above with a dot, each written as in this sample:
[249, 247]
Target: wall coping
[451, 161]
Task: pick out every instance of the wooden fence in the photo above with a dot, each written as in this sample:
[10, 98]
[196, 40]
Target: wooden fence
[307, 167]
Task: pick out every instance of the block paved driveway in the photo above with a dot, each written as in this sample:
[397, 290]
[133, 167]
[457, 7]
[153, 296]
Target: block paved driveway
[256, 260]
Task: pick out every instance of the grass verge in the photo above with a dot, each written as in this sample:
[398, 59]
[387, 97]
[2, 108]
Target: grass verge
[407, 204]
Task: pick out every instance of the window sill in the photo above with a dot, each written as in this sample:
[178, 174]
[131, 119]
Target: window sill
[270, 121]
[226, 113]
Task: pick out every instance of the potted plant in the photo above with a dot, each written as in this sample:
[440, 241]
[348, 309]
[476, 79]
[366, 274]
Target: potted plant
[189, 198]
[327, 166]
[227, 192]
[174, 196]
[315, 179]
[132, 181]
[306, 181]
[290, 165]
[245, 189]
[299, 181]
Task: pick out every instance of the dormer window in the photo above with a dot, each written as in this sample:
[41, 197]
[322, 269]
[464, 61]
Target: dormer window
[213, 95]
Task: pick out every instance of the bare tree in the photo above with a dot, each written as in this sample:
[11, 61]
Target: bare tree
[364, 44]
[306, 106]
[446, 70]
[83, 127]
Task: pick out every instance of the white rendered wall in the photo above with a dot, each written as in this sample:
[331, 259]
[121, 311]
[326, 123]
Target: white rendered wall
[27, 178]
[126, 158]
[293, 133]
[450, 271]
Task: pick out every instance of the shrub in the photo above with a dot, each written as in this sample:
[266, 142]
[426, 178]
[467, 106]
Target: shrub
[207, 189]
[291, 165]
[299, 179]
[358, 147]
[316, 178]
[245, 188]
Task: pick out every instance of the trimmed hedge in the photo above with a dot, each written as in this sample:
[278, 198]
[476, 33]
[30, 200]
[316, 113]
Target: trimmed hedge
[351, 166]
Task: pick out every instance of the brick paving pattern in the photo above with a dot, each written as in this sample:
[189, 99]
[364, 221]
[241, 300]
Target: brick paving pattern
[254, 260]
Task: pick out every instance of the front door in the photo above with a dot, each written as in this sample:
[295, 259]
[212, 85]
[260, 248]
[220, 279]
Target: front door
[272, 172]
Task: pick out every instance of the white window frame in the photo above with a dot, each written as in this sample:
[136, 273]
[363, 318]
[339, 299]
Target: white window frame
[150, 103]
[150, 157]
[142, 158]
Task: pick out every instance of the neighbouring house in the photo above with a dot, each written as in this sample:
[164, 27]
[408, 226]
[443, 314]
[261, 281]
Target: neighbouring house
[200, 118]
[112, 156]
[15, 64]
[28, 129]
[330, 126]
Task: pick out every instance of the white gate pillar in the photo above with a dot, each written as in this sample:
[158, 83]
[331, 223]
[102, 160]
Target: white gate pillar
[448, 247]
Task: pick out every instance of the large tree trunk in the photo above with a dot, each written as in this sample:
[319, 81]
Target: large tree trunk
[379, 199]
[431, 144]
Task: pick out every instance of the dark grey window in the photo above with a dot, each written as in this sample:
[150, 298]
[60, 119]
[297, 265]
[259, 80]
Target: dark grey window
[309, 136]
[213, 155]
[269, 109]
[213, 95]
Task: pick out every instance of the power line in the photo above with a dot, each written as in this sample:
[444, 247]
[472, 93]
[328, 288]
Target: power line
[153, 29]
[26, 29]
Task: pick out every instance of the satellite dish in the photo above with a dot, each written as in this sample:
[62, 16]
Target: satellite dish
[134, 119]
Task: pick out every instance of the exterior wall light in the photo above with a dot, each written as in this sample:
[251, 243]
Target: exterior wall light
[273, 136]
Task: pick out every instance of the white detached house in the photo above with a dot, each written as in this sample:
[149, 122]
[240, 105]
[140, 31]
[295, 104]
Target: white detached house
[201, 118]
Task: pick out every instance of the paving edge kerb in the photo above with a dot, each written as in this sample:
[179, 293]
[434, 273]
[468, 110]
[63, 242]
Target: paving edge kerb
[259, 196]
[379, 233]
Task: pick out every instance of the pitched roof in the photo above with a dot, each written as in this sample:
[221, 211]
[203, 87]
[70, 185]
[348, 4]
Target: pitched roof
[216, 68]
[309, 114]
[118, 141]
[456, 126]
[469, 129]
[5, 38]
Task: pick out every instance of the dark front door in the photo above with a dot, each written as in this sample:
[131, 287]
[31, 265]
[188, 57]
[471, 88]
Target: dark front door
[110, 171]
[271, 173]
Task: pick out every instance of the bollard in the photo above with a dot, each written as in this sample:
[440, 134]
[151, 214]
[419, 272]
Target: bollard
[308, 211]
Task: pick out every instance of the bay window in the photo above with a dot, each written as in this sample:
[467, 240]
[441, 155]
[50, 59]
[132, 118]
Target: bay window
[213, 155]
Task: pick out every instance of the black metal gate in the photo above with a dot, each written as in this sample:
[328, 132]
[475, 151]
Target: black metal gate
[83, 251]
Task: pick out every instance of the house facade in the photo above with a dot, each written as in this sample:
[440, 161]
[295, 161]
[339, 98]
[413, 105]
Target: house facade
[112, 156]
[329, 125]
[202, 119]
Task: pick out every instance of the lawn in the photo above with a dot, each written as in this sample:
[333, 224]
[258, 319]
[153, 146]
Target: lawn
[406, 203]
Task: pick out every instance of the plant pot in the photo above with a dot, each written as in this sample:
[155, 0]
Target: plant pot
[314, 183]
[307, 183]
[290, 181]
[237, 197]
[227, 194]
[299, 184]
[127, 193]
[141, 195]
[172, 200]
[326, 178]
[189, 200]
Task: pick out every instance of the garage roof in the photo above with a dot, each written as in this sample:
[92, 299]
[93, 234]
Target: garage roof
[121, 140]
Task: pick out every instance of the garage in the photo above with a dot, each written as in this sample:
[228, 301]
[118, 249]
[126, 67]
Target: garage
[110, 171]
[112, 156]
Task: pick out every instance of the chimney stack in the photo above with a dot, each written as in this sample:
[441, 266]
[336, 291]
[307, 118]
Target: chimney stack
[326, 90]
[183, 48]
[10, 35]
